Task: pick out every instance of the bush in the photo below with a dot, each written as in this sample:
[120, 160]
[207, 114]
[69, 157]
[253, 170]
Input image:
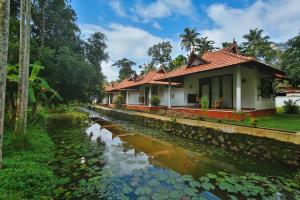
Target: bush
[155, 101]
[26, 174]
[66, 120]
[290, 107]
[204, 102]
[118, 100]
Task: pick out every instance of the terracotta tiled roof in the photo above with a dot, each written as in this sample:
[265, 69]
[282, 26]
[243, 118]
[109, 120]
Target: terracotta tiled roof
[148, 78]
[215, 60]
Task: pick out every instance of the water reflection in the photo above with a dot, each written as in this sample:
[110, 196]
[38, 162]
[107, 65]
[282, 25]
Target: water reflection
[138, 151]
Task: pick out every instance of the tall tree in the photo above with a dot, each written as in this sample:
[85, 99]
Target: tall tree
[4, 34]
[178, 62]
[96, 54]
[125, 67]
[291, 61]
[203, 45]
[188, 39]
[259, 46]
[22, 102]
[160, 54]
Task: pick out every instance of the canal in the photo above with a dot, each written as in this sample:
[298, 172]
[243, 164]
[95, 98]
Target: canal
[131, 161]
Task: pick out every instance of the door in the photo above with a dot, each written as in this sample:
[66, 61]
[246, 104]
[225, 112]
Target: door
[205, 89]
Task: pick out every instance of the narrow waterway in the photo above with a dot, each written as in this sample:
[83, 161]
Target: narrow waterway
[122, 160]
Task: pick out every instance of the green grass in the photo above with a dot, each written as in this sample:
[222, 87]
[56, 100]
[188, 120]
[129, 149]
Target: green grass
[26, 173]
[290, 122]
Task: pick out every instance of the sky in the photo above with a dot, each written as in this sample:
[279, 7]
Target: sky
[132, 26]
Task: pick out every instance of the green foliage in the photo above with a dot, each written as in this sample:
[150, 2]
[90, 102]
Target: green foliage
[188, 39]
[204, 102]
[125, 66]
[203, 45]
[254, 121]
[26, 174]
[118, 100]
[250, 186]
[155, 101]
[290, 107]
[260, 47]
[160, 54]
[66, 120]
[290, 60]
[178, 62]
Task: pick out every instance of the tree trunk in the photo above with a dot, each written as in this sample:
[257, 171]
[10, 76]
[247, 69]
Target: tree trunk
[22, 102]
[4, 30]
[43, 7]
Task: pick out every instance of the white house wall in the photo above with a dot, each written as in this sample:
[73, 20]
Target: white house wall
[133, 96]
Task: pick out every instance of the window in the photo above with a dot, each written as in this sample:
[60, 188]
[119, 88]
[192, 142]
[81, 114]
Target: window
[192, 98]
[266, 90]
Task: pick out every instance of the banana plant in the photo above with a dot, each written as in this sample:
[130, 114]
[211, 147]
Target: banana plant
[39, 90]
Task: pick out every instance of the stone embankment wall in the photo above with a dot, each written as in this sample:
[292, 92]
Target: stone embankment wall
[256, 146]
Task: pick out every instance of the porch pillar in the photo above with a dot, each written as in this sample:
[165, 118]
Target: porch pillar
[108, 98]
[238, 90]
[169, 94]
[150, 95]
[127, 100]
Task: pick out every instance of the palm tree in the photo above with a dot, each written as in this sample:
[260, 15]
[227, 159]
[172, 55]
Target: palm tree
[203, 45]
[4, 31]
[188, 39]
[22, 102]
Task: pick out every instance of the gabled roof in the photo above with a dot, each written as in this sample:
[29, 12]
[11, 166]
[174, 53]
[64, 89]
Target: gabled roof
[148, 78]
[222, 58]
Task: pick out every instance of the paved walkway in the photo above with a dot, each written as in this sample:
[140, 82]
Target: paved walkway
[279, 135]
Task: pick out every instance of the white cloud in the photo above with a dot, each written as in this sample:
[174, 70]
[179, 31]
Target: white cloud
[156, 25]
[126, 41]
[164, 8]
[279, 19]
[117, 7]
[110, 72]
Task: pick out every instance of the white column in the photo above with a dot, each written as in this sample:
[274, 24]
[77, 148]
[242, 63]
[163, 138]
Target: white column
[169, 95]
[127, 99]
[108, 98]
[150, 95]
[238, 90]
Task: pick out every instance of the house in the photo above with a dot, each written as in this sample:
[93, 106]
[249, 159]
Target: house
[232, 83]
[137, 91]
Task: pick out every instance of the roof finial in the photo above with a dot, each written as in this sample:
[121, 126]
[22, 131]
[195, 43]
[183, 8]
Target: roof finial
[234, 42]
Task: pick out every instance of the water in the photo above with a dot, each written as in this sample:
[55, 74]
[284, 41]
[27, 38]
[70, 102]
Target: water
[122, 160]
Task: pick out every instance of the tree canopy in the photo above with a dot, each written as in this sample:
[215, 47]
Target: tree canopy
[160, 54]
[125, 67]
[189, 39]
[291, 60]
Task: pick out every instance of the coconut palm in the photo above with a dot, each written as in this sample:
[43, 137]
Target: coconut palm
[203, 45]
[22, 102]
[4, 29]
[188, 39]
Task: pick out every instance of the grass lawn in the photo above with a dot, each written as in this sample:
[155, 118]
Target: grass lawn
[290, 122]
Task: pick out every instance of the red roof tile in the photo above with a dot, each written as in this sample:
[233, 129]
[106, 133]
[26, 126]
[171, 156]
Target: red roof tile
[215, 60]
[148, 78]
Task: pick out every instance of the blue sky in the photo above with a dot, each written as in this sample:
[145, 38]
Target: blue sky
[132, 26]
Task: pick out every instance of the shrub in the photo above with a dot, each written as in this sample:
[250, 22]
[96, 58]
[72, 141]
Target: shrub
[66, 120]
[253, 121]
[204, 102]
[155, 101]
[290, 107]
[118, 100]
[26, 174]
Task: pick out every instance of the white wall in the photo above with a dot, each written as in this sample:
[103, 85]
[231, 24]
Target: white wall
[177, 95]
[279, 101]
[105, 99]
